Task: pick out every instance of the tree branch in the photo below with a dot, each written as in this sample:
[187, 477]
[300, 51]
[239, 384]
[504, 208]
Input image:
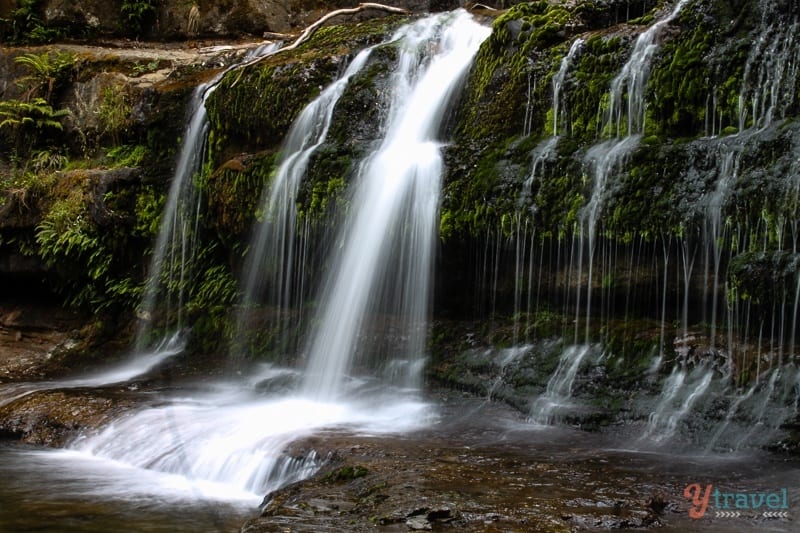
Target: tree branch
[310, 30]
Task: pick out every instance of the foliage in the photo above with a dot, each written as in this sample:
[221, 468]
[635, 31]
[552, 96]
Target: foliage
[144, 68]
[138, 14]
[253, 108]
[36, 113]
[67, 236]
[216, 290]
[149, 205]
[25, 25]
[233, 193]
[29, 122]
[115, 112]
[48, 71]
[126, 155]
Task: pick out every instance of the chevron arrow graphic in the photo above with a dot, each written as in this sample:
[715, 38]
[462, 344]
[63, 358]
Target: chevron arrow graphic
[728, 514]
[775, 514]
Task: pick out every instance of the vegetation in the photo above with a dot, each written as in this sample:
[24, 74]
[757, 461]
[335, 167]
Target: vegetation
[138, 15]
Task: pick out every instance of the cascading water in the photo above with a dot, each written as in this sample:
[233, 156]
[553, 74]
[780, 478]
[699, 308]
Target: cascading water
[603, 160]
[229, 442]
[273, 271]
[545, 150]
[558, 83]
[766, 93]
[169, 273]
[677, 399]
[559, 388]
[388, 241]
[168, 281]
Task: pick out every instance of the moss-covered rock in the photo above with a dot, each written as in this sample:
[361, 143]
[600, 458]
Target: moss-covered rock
[253, 108]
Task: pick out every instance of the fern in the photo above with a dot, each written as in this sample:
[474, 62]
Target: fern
[47, 69]
[138, 13]
[37, 113]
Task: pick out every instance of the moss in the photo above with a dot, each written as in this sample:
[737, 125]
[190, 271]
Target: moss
[253, 108]
[697, 77]
[233, 194]
[763, 278]
[345, 473]
[586, 101]
[326, 183]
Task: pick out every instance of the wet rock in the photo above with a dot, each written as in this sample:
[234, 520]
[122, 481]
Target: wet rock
[52, 418]
[419, 523]
[32, 336]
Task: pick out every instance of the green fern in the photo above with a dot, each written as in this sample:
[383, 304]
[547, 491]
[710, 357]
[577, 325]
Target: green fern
[47, 71]
[138, 13]
[37, 113]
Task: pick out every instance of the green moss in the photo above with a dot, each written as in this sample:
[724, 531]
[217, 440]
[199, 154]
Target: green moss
[253, 108]
[587, 100]
[697, 78]
[763, 278]
[346, 473]
[233, 194]
[326, 183]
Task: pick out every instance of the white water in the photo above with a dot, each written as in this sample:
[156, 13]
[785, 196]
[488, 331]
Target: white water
[229, 445]
[273, 269]
[558, 394]
[558, 82]
[387, 243]
[134, 366]
[631, 82]
[680, 392]
[502, 360]
[766, 93]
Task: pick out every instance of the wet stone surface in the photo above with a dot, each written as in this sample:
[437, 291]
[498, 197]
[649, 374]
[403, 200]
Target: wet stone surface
[503, 475]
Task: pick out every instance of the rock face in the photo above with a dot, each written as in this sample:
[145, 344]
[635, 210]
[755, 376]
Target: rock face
[450, 480]
[33, 337]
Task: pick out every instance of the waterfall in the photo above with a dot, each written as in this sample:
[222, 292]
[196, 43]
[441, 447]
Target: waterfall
[680, 393]
[274, 268]
[602, 160]
[229, 443]
[559, 387]
[169, 274]
[767, 91]
[606, 157]
[631, 82]
[387, 241]
[558, 82]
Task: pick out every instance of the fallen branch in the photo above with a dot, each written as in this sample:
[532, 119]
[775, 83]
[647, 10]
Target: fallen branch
[483, 6]
[310, 30]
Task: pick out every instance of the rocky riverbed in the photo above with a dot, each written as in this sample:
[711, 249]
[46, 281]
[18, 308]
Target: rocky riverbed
[483, 468]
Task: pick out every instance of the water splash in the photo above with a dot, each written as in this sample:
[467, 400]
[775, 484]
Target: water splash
[680, 392]
[559, 388]
[234, 443]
